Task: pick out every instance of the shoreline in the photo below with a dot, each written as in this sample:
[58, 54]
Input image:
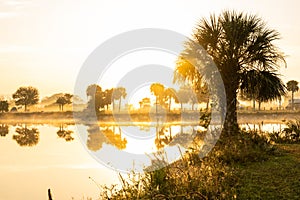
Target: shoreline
[139, 118]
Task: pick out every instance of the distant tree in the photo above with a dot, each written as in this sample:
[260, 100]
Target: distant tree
[183, 94]
[63, 100]
[107, 97]
[26, 136]
[4, 106]
[292, 86]
[158, 90]
[118, 94]
[26, 96]
[169, 94]
[95, 95]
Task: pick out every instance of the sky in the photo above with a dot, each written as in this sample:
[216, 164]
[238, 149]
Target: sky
[45, 43]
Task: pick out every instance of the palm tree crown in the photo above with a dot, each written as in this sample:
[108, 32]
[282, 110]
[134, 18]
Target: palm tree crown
[237, 43]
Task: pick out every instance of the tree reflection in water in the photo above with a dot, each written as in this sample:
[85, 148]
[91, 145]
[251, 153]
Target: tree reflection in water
[3, 130]
[66, 134]
[26, 136]
[97, 136]
[163, 137]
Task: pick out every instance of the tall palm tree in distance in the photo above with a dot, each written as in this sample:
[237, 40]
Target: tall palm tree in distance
[158, 90]
[237, 43]
[292, 86]
[118, 94]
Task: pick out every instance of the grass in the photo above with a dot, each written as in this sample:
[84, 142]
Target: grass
[276, 178]
[243, 166]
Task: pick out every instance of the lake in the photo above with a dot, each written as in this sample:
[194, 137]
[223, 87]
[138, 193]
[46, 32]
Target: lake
[63, 157]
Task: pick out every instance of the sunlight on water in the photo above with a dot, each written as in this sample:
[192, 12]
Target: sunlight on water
[52, 162]
[60, 156]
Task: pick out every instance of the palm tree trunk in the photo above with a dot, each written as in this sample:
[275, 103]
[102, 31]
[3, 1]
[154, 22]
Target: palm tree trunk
[259, 104]
[230, 123]
[253, 104]
[156, 105]
[207, 104]
[25, 105]
[293, 100]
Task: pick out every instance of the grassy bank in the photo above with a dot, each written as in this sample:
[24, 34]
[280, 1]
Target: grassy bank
[244, 166]
[276, 178]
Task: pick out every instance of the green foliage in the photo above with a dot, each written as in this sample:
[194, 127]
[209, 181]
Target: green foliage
[205, 119]
[236, 42]
[4, 106]
[212, 177]
[290, 134]
[276, 178]
[26, 96]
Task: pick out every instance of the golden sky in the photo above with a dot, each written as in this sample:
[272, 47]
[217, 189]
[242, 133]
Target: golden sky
[44, 43]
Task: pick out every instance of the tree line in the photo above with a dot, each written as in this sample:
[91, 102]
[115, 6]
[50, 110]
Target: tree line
[256, 87]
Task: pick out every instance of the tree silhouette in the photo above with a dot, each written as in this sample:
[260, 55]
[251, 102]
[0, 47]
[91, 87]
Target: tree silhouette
[107, 97]
[262, 86]
[3, 130]
[66, 134]
[26, 96]
[169, 94]
[184, 95]
[63, 100]
[292, 86]
[118, 94]
[26, 136]
[4, 106]
[237, 43]
[158, 90]
[95, 95]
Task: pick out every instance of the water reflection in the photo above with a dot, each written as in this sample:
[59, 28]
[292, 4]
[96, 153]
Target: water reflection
[26, 136]
[112, 135]
[64, 133]
[3, 130]
[163, 137]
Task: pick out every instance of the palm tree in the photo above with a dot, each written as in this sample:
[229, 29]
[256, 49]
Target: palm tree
[118, 94]
[183, 94]
[170, 94]
[158, 90]
[4, 106]
[237, 43]
[262, 86]
[292, 86]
